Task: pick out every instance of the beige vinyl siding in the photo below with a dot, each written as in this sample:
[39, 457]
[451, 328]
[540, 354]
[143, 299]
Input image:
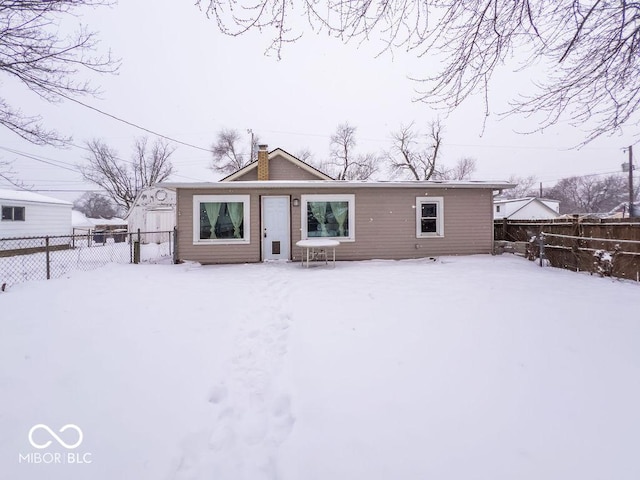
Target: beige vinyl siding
[385, 225]
[280, 169]
[250, 176]
[206, 254]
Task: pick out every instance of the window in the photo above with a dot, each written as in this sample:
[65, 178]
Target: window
[328, 216]
[429, 217]
[13, 213]
[220, 219]
[498, 208]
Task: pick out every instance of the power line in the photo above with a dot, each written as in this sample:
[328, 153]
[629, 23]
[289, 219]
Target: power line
[26, 155]
[131, 162]
[60, 163]
[135, 125]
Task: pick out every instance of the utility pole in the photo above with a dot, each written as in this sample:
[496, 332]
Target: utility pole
[250, 131]
[631, 209]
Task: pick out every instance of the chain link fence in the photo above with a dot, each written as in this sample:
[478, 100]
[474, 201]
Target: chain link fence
[39, 258]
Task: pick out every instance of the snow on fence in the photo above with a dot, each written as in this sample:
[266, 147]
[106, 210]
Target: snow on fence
[605, 247]
[603, 256]
[38, 258]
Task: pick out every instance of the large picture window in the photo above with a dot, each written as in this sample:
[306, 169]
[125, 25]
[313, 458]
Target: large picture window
[13, 213]
[220, 219]
[429, 217]
[328, 216]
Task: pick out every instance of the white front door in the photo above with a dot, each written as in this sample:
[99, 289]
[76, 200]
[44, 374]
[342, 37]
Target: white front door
[276, 233]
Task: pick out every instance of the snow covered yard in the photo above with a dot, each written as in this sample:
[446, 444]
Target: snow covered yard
[464, 368]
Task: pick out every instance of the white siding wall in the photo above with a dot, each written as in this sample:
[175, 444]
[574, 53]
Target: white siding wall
[153, 214]
[40, 220]
[552, 204]
[533, 211]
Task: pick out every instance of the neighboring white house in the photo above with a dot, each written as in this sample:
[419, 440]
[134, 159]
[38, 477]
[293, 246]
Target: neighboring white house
[154, 210]
[28, 214]
[83, 224]
[529, 208]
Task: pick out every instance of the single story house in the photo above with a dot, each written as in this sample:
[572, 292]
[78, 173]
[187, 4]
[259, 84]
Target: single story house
[154, 210]
[29, 214]
[528, 208]
[260, 212]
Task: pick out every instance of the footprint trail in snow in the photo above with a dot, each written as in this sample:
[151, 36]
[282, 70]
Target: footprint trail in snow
[251, 415]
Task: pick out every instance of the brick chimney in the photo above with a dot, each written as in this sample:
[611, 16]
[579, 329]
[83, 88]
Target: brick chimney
[263, 162]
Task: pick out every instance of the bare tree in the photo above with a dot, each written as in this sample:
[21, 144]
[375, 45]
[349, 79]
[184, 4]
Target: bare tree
[343, 162]
[95, 205]
[228, 154]
[408, 155]
[121, 179]
[524, 187]
[462, 170]
[589, 194]
[33, 51]
[8, 174]
[305, 155]
[591, 48]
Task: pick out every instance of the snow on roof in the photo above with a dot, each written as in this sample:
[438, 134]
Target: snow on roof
[523, 199]
[339, 184]
[26, 196]
[80, 220]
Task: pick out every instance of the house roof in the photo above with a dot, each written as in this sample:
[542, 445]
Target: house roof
[286, 155]
[527, 201]
[81, 221]
[534, 200]
[523, 199]
[30, 197]
[322, 184]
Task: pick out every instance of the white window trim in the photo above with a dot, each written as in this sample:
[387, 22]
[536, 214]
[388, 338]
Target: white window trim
[351, 198]
[440, 219]
[13, 213]
[198, 199]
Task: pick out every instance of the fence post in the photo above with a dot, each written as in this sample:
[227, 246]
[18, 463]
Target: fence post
[541, 246]
[46, 249]
[175, 245]
[136, 249]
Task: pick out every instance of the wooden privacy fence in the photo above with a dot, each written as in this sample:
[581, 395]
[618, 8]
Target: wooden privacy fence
[605, 247]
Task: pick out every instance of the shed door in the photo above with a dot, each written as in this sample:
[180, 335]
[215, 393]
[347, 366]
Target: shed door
[275, 228]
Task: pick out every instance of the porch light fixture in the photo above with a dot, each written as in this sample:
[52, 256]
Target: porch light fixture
[296, 202]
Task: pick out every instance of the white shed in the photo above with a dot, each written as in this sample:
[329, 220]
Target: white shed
[529, 208]
[28, 214]
[154, 210]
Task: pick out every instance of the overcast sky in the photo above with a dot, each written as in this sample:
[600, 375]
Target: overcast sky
[184, 79]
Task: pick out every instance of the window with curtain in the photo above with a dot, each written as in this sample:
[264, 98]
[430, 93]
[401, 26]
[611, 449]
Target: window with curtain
[221, 218]
[429, 217]
[328, 216]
